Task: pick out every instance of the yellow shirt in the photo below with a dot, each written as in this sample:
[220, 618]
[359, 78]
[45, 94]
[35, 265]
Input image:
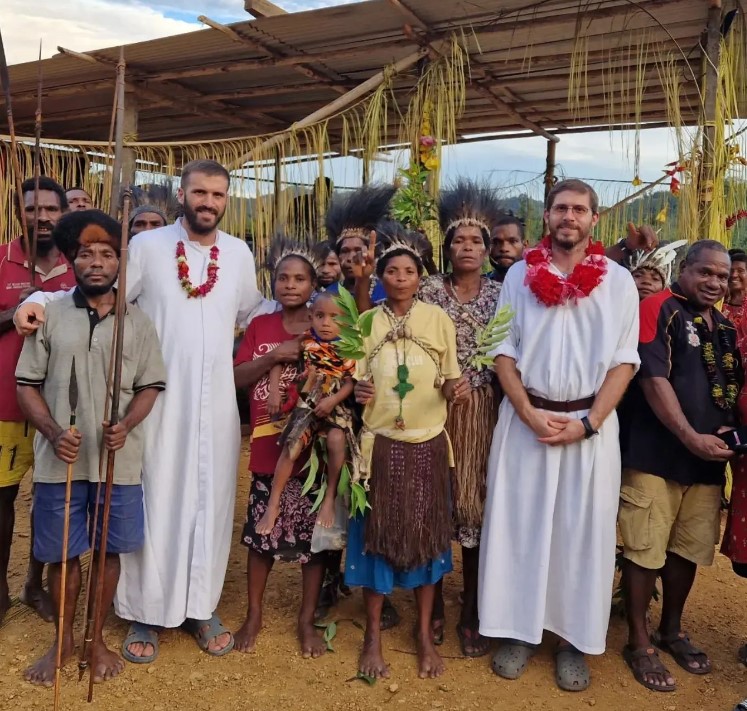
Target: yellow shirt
[424, 408]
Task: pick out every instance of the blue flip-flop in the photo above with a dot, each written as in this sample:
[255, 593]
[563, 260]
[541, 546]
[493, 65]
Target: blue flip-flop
[205, 630]
[144, 634]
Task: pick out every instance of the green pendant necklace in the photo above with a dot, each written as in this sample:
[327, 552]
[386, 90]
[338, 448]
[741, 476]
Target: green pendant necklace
[403, 385]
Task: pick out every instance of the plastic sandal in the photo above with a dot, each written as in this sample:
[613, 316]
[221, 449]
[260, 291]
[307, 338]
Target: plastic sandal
[144, 634]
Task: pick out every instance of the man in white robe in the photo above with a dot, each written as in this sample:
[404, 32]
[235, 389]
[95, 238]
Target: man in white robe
[192, 438]
[548, 539]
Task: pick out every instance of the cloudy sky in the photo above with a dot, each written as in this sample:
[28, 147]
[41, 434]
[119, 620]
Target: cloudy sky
[90, 24]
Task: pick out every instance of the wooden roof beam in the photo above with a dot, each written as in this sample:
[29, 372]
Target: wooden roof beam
[263, 8]
[484, 90]
[307, 70]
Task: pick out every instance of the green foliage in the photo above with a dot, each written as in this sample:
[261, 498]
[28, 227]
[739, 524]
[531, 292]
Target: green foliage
[491, 336]
[350, 344]
[412, 205]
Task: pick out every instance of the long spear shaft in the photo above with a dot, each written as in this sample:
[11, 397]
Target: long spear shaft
[121, 305]
[5, 79]
[118, 135]
[73, 398]
[37, 166]
[87, 618]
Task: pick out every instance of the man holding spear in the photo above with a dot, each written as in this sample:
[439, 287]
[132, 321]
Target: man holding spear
[51, 272]
[79, 327]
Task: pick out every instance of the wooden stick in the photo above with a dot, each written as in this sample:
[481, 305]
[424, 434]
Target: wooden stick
[118, 138]
[5, 79]
[37, 167]
[121, 307]
[637, 193]
[73, 398]
[334, 106]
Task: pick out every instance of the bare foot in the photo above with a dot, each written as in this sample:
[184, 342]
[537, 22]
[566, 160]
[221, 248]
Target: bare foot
[41, 672]
[105, 663]
[39, 601]
[312, 644]
[245, 638]
[326, 517]
[430, 664]
[267, 522]
[371, 661]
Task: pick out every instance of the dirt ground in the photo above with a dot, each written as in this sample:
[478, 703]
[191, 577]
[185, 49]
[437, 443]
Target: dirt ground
[276, 676]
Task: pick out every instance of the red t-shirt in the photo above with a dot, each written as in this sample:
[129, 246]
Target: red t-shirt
[14, 278]
[264, 334]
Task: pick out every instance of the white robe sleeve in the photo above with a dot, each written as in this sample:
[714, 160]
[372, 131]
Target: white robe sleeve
[627, 346]
[134, 270]
[251, 302]
[508, 297]
[43, 297]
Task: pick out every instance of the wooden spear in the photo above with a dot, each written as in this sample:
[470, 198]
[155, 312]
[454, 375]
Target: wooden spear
[37, 167]
[98, 614]
[118, 136]
[73, 398]
[5, 79]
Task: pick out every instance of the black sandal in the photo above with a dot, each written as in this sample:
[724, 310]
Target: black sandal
[682, 650]
[644, 661]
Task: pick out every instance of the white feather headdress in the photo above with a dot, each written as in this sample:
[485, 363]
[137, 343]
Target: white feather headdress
[660, 259]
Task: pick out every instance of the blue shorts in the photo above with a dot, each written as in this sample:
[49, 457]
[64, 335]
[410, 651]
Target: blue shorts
[126, 519]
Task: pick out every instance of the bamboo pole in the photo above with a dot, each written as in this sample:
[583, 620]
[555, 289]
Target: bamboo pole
[333, 107]
[118, 136]
[636, 194]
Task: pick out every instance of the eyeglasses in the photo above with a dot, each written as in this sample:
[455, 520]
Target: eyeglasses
[577, 210]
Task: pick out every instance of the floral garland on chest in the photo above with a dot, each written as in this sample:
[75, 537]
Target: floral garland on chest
[192, 291]
[552, 289]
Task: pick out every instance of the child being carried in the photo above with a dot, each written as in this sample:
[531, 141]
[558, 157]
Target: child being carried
[320, 410]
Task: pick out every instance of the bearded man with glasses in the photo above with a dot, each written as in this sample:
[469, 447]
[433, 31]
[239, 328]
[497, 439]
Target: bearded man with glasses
[547, 556]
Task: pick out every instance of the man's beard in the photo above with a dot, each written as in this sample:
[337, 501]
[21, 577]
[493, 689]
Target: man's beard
[95, 289]
[568, 241]
[191, 216]
[499, 267]
[44, 245]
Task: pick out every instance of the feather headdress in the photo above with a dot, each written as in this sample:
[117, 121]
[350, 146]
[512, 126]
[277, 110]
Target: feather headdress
[358, 212]
[660, 260]
[158, 195]
[394, 237]
[468, 203]
[281, 247]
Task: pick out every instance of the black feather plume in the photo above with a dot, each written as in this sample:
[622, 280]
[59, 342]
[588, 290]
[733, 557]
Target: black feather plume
[361, 209]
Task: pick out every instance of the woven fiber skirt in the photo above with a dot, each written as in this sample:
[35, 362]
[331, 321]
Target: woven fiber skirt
[470, 427]
[409, 523]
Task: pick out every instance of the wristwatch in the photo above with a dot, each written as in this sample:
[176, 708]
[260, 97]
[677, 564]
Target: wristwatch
[589, 431]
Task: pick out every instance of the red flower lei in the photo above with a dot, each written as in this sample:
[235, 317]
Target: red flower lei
[194, 292]
[554, 290]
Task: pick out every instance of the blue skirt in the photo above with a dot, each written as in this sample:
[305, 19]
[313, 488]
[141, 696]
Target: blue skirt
[377, 574]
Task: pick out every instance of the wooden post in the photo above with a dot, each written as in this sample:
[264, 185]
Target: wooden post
[130, 134]
[709, 89]
[550, 167]
[278, 181]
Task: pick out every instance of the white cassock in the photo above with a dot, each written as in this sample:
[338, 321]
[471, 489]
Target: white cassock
[547, 551]
[192, 436]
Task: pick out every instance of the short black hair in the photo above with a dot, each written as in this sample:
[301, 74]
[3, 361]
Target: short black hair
[510, 219]
[306, 262]
[693, 254]
[45, 183]
[322, 250]
[738, 256]
[78, 187]
[206, 167]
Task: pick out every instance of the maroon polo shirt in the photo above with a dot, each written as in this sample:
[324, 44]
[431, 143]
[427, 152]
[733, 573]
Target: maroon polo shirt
[14, 278]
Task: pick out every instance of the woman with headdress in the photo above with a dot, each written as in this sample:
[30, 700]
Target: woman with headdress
[269, 341]
[351, 223]
[652, 270]
[407, 376]
[468, 212]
